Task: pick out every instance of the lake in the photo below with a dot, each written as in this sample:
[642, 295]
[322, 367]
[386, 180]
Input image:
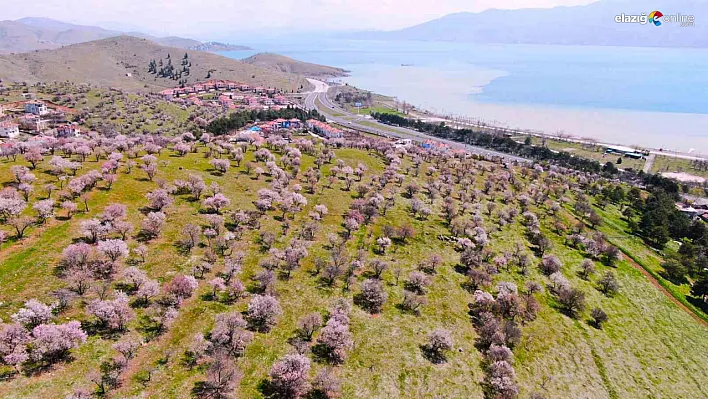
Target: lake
[653, 97]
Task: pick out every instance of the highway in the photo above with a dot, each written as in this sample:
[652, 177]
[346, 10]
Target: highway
[334, 113]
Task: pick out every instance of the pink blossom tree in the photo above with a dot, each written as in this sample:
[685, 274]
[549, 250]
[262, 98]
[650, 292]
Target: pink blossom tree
[220, 165]
[182, 287]
[153, 223]
[113, 314]
[289, 376]
[44, 209]
[229, 333]
[33, 314]
[159, 199]
[52, 342]
[216, 202]
[263, 312]
[335, 340]
[113, 249]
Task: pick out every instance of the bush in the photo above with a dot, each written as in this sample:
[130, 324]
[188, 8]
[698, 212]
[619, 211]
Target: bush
[572, 301]
[608, 284]
[598, 317]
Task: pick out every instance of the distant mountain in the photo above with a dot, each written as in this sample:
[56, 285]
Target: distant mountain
[593, 24]
[282, 63]
[123, 62]
[216, 46]
[33, 33]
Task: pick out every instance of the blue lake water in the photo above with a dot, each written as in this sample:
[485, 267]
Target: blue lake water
[648, 96]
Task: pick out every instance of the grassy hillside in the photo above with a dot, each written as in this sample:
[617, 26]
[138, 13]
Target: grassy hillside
[282, 63]
[648, 347]
[108, 62]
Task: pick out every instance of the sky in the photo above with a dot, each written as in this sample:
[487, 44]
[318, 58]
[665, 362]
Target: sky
[203, 19]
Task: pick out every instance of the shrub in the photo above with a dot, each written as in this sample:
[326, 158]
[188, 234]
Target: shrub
[572, 301]
[599, 317]
[417, 282]
[550, 264]
[608, 284]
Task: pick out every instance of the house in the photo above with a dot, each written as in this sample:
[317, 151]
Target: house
[281, 100]
[33, 123]
[324, 129]
[270, 90]
[36, 108]
[68, 131]
[434, 145]
[259, 89]
[244, 87]
[225, 100]
[9, 129]
[295, 123]
[689, 211]
[168, 94]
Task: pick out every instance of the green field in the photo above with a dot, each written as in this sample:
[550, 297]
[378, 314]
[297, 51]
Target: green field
[664, 164]
[649, 348]
[368, 110]
[595, 152]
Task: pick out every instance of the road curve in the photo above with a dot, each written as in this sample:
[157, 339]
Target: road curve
[329, 109]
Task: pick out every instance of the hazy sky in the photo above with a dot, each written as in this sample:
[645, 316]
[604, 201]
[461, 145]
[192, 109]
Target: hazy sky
[205, 18]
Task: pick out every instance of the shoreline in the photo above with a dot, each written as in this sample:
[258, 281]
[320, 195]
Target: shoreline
[472, 122]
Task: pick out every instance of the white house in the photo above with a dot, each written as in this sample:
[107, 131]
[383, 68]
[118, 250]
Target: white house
[9, 129]
[36, 108]
[68, 131]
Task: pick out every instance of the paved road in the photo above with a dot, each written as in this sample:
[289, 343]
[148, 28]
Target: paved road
[334, 113]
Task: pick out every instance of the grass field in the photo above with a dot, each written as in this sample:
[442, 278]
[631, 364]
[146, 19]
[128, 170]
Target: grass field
[649, 348]
[664, 164]
[592, 152]
[368, 110]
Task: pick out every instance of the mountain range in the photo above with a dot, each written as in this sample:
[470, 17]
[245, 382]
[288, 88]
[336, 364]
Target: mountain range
[592, 24]
[33, 33]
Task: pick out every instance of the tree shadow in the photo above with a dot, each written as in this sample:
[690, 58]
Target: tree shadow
[432, 356]
[697, 302]
[266, 388]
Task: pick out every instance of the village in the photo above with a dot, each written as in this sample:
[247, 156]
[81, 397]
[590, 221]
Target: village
[227, 94]
[36, 117]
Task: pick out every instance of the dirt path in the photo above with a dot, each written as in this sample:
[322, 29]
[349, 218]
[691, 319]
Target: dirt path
[656, 284]
[649, 163]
